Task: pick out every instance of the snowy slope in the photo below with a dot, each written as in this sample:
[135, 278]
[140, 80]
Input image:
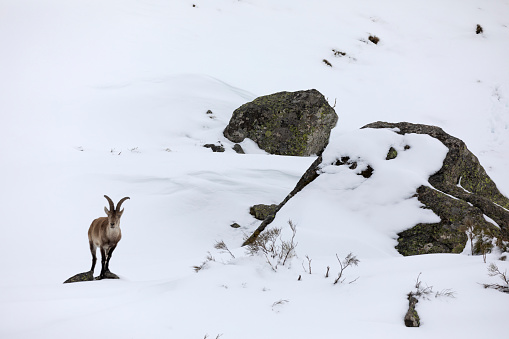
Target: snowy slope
[111, 97]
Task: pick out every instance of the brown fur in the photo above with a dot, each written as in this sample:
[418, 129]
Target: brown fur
[105, 233]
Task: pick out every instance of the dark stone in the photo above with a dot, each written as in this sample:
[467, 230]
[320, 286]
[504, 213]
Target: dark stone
[85, 276]
[261, 211]
[477, 195]
[235, 225]
[107, 275]
[367, 173]
[237, 148]
[412, 317]
[285, 123]
[392, 154]
[214, 148]
[374, 39]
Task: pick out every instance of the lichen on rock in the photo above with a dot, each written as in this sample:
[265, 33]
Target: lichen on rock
[459, 191]
[262, 211]
[85, 276]
[285, 123]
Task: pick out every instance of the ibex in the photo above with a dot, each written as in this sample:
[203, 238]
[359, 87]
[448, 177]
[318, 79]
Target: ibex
[105, 233]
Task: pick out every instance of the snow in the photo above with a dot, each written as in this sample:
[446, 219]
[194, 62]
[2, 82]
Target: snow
[111, 97]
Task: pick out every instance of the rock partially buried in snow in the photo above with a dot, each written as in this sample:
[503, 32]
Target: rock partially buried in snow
[460, 191]
[261, 211]
[89, 276]
[285, 123]
[85, 276]
[455, 187]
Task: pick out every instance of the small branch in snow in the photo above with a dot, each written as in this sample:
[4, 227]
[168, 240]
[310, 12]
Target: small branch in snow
[348, 261]
[279, 303]
[220, 245]
[411, 318]
[494, 271]
[309, 265]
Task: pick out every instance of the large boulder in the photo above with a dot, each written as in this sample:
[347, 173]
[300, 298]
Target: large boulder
[459, 193]
[285, 123]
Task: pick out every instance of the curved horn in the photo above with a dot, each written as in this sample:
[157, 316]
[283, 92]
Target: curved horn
[120, 203]
[112, 207]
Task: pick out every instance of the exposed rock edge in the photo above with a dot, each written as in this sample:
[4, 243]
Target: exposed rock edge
[459, 191]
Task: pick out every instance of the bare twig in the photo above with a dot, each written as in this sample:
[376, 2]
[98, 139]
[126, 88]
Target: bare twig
[309, 264]
[349, 261]
[271, 245]
[209, 257]
[279, 303]
[425, 291]
[220, 245]
[494, 271]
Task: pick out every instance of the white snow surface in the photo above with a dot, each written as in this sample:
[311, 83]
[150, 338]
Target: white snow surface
[111, 97]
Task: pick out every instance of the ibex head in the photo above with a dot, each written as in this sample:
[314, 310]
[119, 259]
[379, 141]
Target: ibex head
[113, 213]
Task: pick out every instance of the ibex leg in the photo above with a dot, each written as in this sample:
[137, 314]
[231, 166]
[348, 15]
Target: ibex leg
[94, 258]
[110, 253]
[103, 262]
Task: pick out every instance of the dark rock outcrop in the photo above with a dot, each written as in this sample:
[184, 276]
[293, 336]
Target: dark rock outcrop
[215, 148]
[237, 148]
[262, 211]
[89, 276]
[85, 276]
[412, 318]
[460, 191]
[285, 123]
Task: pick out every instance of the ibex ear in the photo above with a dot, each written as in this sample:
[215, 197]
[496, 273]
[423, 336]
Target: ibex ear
[120, 213]
[107, 212]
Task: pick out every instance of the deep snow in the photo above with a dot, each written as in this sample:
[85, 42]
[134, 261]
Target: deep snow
[111, 97]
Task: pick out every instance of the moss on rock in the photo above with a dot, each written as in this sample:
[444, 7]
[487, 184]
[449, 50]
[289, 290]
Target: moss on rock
[285, 123]
[262, 211]
[460, 190]
[392, 154]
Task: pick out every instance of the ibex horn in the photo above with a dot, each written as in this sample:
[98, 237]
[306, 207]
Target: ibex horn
[112, 207]
[120, 203]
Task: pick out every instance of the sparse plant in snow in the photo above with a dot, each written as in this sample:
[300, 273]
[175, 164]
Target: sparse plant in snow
[468, 228]
[114, 152]
[502, 244]
[483, 242]
[494, 271]
[208, 259]
[421, 291]
[309, 264]
[350, 260]
[206, 335]
[425, 291]
[220, 245]
[481, 238]
[277, 252]
[279, 303]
